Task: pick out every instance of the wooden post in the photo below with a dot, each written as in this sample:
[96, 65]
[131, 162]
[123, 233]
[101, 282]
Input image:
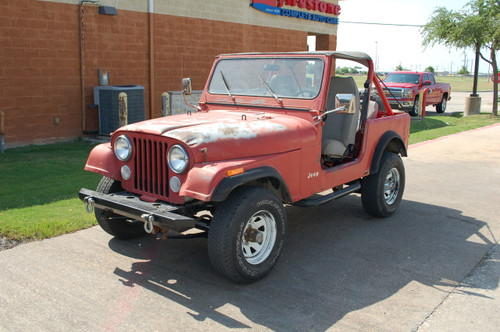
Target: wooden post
[123, 109]
[165, 98]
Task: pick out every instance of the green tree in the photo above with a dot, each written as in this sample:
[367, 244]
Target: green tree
[400, 68]
[476, 26]
[341, 70]
[430, 69]
[463, 71]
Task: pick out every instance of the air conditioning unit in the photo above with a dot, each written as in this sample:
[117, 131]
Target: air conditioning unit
[106, 98]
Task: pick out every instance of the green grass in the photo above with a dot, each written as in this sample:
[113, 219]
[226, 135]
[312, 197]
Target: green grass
[38, 195]
[436, 126]
[39, 184]
[464, 84]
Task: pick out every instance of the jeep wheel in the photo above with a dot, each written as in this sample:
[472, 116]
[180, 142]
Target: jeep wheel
[246, 234]
[381, 192]
[414, 111]
[441, 107]
[114, 224]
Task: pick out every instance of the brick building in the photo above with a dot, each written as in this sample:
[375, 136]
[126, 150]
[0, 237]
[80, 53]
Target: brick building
[51, 52]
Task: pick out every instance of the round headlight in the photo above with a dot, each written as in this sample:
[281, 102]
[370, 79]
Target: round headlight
[123, 148]
[178, 159]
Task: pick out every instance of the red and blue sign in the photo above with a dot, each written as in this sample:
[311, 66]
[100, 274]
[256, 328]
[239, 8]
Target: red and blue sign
[274, 7]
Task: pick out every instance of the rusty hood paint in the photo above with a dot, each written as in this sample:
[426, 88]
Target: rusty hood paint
[221, 135]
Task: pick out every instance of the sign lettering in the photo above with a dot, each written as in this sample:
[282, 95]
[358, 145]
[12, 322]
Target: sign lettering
[274, 7]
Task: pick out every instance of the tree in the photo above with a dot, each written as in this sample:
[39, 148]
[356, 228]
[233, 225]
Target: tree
[400, 68]
[430, 69]
[476, 26]
[463, 71]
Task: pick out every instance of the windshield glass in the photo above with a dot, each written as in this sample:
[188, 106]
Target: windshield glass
[268, 77]
[403, 78]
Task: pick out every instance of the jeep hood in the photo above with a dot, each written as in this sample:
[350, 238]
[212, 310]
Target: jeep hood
[221, 135]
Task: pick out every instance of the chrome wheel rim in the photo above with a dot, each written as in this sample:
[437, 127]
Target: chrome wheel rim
[391, 186]
[259, 237]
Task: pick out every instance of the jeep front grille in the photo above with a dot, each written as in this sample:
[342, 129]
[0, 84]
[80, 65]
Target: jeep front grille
[151, 167]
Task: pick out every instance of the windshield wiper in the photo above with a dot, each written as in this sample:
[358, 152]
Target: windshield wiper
[227, 86]
[271, 91]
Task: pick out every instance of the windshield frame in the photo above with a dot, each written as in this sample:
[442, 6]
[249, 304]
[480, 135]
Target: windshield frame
[304, 92]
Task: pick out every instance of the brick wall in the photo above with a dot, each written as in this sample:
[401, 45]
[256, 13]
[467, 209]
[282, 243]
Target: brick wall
[40, 60]
[39, 71]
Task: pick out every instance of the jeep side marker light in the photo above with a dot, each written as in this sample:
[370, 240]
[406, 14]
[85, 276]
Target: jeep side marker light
[235, 171]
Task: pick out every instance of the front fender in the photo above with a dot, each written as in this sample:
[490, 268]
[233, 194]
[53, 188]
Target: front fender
[211, 182]
[102, 161]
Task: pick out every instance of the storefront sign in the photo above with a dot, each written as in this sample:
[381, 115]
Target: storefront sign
[313, 9]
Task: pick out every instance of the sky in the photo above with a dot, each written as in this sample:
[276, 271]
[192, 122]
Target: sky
[390, 46]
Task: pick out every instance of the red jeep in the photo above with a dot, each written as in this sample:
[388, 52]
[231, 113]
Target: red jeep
[270, 129]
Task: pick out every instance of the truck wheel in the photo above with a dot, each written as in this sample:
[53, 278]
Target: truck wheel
[441, 107]
[381, 192]
[114, 224]
[246, 234]
[415, 109]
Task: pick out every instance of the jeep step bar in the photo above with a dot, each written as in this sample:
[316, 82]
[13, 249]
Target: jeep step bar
[317, 200]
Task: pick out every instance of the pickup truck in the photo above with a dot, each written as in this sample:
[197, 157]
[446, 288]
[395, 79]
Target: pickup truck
[402, 89]
[270, 129]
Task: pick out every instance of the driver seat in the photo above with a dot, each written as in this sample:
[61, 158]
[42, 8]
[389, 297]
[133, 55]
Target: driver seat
[339, 129]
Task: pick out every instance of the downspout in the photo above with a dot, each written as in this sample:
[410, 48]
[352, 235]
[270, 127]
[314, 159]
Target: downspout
[151, 59]
[82, 61]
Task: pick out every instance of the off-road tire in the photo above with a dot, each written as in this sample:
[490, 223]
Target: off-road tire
[441, 107]
[229, 251]
[119, 228]
[381, 193]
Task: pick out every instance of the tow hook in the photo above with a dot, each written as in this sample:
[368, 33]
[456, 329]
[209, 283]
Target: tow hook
[88, 204]
[148, 224]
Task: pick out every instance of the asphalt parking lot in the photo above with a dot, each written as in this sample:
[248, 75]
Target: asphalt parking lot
[433, 266]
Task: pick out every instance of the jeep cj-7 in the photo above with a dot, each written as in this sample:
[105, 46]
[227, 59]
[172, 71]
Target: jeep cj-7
[270, 129]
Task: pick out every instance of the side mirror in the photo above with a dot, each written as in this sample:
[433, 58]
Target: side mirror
[347, 101]
[427, 83]
[186, 86]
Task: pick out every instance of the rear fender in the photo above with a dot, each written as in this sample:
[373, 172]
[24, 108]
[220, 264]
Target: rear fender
[389, 141]
[102, 161]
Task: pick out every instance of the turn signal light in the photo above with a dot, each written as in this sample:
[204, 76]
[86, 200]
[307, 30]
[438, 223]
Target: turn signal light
[235, 171]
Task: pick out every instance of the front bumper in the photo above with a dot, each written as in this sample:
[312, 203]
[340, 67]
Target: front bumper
[131, 206]
[398, 103]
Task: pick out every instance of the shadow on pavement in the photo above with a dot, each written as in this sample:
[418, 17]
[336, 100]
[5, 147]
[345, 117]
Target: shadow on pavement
[336, 260]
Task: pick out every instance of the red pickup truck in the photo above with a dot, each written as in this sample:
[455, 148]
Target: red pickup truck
[402, 89]
[270, 129]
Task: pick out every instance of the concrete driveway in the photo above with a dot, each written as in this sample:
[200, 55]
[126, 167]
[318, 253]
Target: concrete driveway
[433, 266]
